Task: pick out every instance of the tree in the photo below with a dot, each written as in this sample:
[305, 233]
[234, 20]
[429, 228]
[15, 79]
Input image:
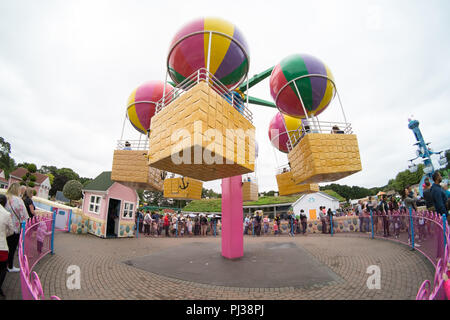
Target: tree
[61, 177]
[406, 178]
[72, 190]
[51, 177]
[6, 162]
[23, 165]
[85, 181]
[153, 197]
[29, 178]
[210, 193]
[47, 170]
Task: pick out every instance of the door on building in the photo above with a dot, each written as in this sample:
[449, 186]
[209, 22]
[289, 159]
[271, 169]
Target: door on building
[62, 220]
[112, 223]
[312, 214]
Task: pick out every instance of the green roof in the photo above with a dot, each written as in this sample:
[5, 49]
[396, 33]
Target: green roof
[267, 200]
[101, 183]
[215, 205]
[334, 194]
[204, 205]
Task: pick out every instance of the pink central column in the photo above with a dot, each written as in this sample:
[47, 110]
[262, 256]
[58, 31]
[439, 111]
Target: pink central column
[232, 218]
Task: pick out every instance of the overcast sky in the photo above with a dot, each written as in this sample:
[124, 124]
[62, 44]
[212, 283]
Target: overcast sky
[68, 67]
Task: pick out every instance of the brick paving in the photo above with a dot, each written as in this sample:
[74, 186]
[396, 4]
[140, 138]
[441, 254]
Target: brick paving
[104, 275]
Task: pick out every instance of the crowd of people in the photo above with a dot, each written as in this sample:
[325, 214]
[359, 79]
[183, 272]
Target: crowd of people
[259, 224]
[158, 224]
[15, 207]
[390, 215]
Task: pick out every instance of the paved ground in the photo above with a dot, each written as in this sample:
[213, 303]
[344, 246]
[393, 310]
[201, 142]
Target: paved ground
[341, 261]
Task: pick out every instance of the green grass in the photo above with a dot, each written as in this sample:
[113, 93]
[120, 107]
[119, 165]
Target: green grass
[271, 200]
[215, 205]
[204, 205]
[334, 194]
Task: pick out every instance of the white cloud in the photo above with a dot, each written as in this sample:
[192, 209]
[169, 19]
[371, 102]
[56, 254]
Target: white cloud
[67, 68]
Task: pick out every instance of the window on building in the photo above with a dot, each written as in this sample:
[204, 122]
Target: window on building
[94, 204]
[128, 210]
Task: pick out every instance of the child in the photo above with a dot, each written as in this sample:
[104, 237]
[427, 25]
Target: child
[40, 235]
[396, 226]
[182, 226]
[266, 225]
[421, 229]
[275, 229]
[189, 226]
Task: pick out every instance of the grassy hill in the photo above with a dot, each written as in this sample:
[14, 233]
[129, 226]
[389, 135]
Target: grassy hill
[271, 200]
[204, 205]
[334, 194]
[215, 205]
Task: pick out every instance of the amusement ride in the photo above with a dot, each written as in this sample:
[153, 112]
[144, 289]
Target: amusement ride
[198, 127]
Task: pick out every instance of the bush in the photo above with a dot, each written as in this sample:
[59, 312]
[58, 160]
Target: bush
[33, 178]
[31, 184]
[32, 168]
[22, 183]
[72, 190]
[34, 192]
[24, 177]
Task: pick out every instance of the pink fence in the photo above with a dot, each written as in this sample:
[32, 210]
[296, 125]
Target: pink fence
[422, 230]
[34, 244]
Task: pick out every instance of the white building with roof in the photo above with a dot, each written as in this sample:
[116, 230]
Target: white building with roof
[311, 203]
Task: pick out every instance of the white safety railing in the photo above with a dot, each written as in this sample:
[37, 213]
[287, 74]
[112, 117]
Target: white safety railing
[203, 75]
[133, 144]
[315, 126]
[283, 169]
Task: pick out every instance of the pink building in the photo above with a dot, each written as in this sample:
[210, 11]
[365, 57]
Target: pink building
[110, 207]
[41, 185]
[3, 181]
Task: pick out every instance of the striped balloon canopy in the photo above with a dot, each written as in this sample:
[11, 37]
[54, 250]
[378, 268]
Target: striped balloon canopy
[141, 105]
[277, 130]
[228, 56]
[316, 92]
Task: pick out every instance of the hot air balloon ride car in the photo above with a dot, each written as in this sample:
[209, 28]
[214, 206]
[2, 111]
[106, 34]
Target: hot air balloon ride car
[280, 139]
[130, 160]
[201, 129]
[302, 86]
[250, 183]
[183, 188]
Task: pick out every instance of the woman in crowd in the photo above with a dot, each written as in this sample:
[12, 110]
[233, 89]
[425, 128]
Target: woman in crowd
[174, 222]
[303, 220]
[278, 222]
[28, 202]
[19, 214]
[189, 226]
[196, 226]
[6, 229]
[147, 223]
[204, 225]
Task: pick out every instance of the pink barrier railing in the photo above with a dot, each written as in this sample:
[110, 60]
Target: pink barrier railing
[422, 230]
[34, 244]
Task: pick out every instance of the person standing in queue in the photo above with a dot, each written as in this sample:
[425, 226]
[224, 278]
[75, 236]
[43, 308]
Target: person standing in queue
[330, 219]
[278, 222]
[204, 225]
[29, 205]
[166, 224]
[323, 219]
[19, 214]
[6, 229]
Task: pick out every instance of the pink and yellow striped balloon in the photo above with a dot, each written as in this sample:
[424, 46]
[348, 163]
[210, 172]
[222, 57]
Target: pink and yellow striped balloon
[142, 104]
[228, 57]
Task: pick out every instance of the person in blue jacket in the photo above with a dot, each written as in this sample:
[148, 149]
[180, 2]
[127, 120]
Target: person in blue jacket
[438, 194]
